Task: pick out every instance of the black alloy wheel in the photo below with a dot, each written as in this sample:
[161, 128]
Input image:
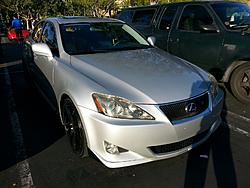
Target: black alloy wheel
[240, 83]
[74, 128]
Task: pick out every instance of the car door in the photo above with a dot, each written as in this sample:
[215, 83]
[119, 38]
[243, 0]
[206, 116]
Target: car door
[45, 66]
[49, 38]
[164, 26]
[30, 65]
[194, 40]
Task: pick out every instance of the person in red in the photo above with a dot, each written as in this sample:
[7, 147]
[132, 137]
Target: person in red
[17, 25]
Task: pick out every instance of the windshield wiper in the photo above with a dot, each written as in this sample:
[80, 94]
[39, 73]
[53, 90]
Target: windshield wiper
[244, 24]
[134, 47]
[246, 29]
[80, 52]
[240, 26]
[110, 50]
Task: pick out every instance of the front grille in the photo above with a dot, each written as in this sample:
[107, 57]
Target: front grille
[178, 111]
[178, 145]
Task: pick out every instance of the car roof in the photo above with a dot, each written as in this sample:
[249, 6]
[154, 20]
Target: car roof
[183, 3]
[143, 6]
[80, 19]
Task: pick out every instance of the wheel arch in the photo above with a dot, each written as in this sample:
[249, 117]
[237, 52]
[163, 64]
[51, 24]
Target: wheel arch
[64, 96]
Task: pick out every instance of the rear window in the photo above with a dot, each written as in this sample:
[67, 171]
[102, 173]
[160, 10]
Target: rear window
[126, 16]
[143, 17]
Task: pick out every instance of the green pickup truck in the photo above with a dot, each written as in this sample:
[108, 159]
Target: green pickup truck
[213, 35]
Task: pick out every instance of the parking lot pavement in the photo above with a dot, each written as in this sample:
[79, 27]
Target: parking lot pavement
[237, 109]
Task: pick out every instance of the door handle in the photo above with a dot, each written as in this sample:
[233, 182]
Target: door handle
[176, 40]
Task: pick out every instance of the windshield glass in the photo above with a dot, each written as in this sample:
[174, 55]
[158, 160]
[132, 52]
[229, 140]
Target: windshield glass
[233, 15]
[85, 38]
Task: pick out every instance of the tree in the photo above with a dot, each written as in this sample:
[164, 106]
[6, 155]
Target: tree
[30, 9]
[97, 8]
[18, 8]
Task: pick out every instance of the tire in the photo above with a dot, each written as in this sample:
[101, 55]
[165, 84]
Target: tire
[74, 128]
[240, 83]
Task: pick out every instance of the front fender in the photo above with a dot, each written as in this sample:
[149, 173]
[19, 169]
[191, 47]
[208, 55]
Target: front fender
[68, 81]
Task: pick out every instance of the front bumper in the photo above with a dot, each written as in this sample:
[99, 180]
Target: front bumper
[139, 137]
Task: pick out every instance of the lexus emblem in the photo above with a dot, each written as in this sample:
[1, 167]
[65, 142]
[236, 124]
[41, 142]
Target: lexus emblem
[190, 108]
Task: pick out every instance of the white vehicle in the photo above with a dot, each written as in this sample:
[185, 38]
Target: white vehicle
[119, 96]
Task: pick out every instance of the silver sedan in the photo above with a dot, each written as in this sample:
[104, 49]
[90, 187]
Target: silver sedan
[117, 95]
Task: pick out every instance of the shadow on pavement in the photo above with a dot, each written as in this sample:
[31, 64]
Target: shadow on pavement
[40, 126]
[216, 149]
[10, 51]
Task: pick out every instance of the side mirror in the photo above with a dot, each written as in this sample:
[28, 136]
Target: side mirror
[151, 40]
[209, 29]
[42, 49]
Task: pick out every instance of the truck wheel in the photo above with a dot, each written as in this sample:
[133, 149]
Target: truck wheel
[240, 83]
[74, 128]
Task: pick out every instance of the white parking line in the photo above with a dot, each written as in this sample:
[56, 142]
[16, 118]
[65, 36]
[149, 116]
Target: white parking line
[234, 128]
[238, 130]
[13, 72]
[22, 167]
[237, 116]
[4, 65]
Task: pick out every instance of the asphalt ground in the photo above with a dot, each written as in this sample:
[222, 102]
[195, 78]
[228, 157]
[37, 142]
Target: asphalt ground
[35, 151]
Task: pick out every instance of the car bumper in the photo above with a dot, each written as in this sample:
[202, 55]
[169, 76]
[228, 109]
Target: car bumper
[150, 140]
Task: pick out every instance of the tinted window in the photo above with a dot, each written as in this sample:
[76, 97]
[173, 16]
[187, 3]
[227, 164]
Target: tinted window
[37, 32]
[126, 16]
[143, 17]
[49, 37]
[193, 17]
[85, 38]
[233, 15]
[167, 18]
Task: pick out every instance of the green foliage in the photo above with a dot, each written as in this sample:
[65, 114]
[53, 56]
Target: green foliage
[94, 7]
[30, 9]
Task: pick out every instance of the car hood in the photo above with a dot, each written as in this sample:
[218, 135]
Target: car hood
[143, 76]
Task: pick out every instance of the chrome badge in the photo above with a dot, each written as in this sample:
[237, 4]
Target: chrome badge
[190, 108]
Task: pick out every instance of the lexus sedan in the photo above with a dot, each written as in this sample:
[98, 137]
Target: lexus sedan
[118, 96]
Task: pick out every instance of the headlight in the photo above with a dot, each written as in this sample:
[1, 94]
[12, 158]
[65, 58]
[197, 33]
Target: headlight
[118, 107]
[213, 86]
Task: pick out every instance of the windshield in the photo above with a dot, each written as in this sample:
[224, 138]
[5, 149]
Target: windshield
[85, 38]
[233, 15]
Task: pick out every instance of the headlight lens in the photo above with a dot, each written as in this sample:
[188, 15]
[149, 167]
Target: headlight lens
[118, 107]
[213, 86]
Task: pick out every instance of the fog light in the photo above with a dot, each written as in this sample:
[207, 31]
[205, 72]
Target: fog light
[111, 148]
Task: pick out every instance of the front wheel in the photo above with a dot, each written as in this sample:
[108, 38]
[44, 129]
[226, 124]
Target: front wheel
[74, 129]
[240, 83]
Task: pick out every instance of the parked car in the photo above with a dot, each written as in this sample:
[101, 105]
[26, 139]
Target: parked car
[12, 34]
[117, 95]
[3, 30]
[213, 35]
